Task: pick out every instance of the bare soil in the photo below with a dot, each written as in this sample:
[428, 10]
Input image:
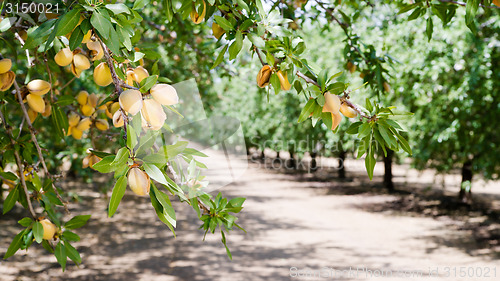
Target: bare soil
[300, 226]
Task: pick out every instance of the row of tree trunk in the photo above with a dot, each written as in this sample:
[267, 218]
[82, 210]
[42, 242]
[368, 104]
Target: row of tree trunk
[464, 195]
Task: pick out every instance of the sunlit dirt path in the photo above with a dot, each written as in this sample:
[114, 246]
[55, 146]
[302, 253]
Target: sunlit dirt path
[297, 229]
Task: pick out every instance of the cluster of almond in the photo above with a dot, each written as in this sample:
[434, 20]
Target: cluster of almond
[152, 113]
[37, 89]
[88, 107]
[149, 105]
[78, 62]
[264, 76]
[335, 107]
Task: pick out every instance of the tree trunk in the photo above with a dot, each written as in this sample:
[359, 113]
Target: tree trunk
[314, 165]
[388, 171]
[291, 162]
[262, 156]
[342, 164]
[465, 195]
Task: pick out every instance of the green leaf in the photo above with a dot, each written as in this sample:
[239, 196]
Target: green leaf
[429, 28]
[380, 140]
[104, 166]
[223, 239]
[155, 173]
[307, 110]
[364, 130]
[416, 13]
[117, 195]
[70, 236]
[168, 211]
[160, 210]
[131, 136]
[25, 221]
[37, 183]
[11, 199]
[354, 128]
[60, 120]
[220, 57]
[168, 10]
[370, 161]
[76, 38]
[113, 42]
[471, 11]
[322, 77]
[72, 253]
[60, 253]
[237, 202]
[6, 23]
[170, 151]
[15, 244]
[275, 82]
[235, 47]
[336, 88]
[118, 8]
[38, 231]
[387, 136]
[139, 4]
[101, 154]
[101, 24]
[404, 143]
[256, 40]
[148, 83]
[327, 119]
[392, 123]
[68, 22]
[407, 8]
[121, 157]
[213, 224]
[369, 105]
[8, 176]
[39, 35]
[46, 245]
[77, 222]
[224, 23]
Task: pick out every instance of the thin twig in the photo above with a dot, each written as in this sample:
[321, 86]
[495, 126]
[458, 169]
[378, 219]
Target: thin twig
[307, 79]
[345, 99]
[18, 37]
[66, 85]
[259, 56]
[116, 80]
[21, 128]
[50, 78]
[35, 142]
[20, 166]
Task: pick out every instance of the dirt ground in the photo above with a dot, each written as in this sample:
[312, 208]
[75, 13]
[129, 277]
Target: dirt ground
[299, 227]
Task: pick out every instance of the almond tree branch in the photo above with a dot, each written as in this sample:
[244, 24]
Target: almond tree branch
[18, 37]
[119, 84]
[307, 79]
[38, 149]
[20, 166]
[32, 132]
[344, 98]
